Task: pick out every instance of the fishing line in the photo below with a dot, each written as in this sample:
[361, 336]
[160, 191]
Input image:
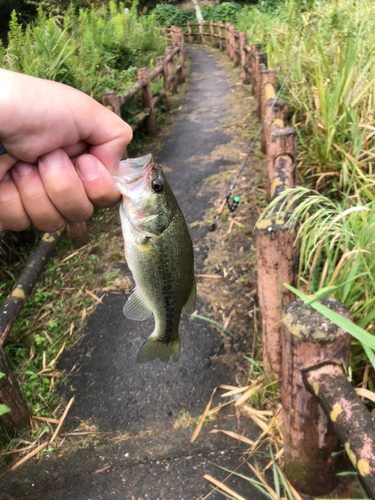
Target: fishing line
[236, 199]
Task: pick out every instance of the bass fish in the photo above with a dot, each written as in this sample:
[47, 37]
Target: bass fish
[159, 253]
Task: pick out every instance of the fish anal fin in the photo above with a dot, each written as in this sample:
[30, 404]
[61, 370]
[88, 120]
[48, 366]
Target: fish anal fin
[189, 307]
[155, 348]
[136, 308]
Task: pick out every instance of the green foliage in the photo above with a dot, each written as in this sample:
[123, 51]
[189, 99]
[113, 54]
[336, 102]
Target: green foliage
[169, 14]
[3, 409]
[330, 95]
[227, 12]
[94, 50]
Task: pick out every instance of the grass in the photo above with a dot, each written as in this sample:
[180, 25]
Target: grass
[69, 288]
[94, 49]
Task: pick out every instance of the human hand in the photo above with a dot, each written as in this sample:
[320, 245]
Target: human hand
[62, 147]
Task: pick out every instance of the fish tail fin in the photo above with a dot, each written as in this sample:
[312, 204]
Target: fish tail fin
[155, 348]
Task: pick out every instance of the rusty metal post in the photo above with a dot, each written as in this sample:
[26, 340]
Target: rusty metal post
[190, 36]
[220, 32]
[351, 420]
[171, 71]
[147, 102]
[244, 57]
[201, 29]
[160, 61]
[282, 148]
[309, 340]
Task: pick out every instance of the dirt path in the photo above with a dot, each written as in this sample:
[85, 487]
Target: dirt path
[146, 452]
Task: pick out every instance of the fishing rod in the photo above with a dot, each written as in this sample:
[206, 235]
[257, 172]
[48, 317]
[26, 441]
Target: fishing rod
[232, 206]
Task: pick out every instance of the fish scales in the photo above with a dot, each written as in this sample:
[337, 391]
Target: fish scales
[159, 253]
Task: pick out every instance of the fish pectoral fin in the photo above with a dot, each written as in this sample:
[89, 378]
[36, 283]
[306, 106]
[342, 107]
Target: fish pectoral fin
[155, 348]
[136, 308]
[189, 307]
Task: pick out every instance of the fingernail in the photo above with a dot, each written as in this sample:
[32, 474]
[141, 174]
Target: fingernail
[52, 159]
[87, 168]
[22, 169]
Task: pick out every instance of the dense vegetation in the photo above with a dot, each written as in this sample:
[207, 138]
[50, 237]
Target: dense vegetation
[330, 95]
[94, 50]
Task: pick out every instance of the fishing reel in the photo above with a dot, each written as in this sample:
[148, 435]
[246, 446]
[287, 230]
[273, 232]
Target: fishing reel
[231, 206]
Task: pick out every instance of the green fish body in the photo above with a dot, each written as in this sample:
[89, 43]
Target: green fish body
[159, 253]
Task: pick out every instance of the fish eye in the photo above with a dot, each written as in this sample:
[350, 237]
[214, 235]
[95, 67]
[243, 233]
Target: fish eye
[157, 186]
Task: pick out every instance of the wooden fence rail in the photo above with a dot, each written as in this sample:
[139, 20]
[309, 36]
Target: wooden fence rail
[319, 405]
[165, 68]
[311, 354]
[10, 394]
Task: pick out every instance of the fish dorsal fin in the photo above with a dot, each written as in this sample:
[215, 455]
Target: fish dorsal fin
[189, 307]
[136, 308]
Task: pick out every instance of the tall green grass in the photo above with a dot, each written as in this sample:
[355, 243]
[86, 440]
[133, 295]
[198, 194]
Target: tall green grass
[332, 88]
[331, 95]
[94, 50]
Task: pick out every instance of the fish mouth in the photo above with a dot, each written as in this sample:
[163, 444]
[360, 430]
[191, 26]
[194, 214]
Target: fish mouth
[132, 169]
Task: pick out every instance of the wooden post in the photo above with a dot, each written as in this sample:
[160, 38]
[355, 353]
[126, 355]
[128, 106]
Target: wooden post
[277, 117]
[282, 143]
[201, 28]
[77, 233]
[181, 72]
[277, 259]
[220, 32]
[212, 31]
[10, 396]
[259, 59]
[174, 33]
[147, 102]
[309, 340]
[267, 89]
[231, 43]
[165, 34]
[227, 38]
[253, 50]
[110, 101]
[161, 61]
[190, 36]
[244, 57]
[351, 420]
[236, 51]
[182, 46]
[171, 71]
